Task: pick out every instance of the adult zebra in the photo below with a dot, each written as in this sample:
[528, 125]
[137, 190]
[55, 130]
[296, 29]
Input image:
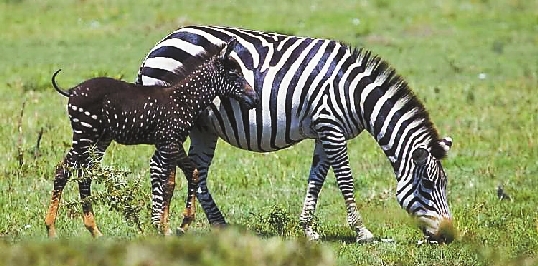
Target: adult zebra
[315, 89]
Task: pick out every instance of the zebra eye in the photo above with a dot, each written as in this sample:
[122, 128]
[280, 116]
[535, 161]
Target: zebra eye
[233, 74]
[427, 184]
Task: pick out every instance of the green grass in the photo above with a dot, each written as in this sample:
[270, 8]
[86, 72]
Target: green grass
[473, 63]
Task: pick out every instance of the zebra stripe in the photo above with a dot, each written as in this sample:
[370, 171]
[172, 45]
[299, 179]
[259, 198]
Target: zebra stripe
[315, 89]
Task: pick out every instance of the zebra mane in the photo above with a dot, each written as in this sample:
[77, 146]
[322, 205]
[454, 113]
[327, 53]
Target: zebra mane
[393, 80]
[181, 72]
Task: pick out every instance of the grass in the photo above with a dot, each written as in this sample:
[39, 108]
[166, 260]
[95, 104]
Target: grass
[473, 63]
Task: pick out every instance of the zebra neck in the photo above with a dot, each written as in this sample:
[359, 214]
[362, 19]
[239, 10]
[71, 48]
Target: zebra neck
[400, 145]
[390, 111]
[195, 96]
[397, 121]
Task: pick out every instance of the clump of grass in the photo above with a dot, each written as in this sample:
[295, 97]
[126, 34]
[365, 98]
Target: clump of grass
[121, 194]
[275, 221]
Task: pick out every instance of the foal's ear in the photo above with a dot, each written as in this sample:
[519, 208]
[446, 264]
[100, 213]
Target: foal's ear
[228, 48]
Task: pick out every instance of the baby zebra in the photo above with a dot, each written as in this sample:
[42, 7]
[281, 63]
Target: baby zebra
[105, 109]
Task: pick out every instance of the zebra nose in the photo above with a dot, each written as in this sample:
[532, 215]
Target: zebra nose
[251, 98]
[446, 233]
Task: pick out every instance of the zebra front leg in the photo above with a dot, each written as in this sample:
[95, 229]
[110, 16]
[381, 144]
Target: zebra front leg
[163, 165]
[168, 187]
[159, 183]
[60, 179]
[191, 174]
[189, 213]
[201, 152]
[318, 172]
[156, 189]
[334, 144]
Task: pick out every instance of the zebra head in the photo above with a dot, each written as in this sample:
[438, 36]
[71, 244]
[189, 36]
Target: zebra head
[423, 192]
[233, 82]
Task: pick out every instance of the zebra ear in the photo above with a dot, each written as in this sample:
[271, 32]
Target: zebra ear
[446, 143]
[420, 155]
[441, 147]
[228, 48]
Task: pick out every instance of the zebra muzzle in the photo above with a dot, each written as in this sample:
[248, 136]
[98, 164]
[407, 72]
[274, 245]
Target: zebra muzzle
[249, 98]
[445, 232]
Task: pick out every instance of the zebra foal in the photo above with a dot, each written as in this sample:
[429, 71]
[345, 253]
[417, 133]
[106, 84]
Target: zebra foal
[104, 109]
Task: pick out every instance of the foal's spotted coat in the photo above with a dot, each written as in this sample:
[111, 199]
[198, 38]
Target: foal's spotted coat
[105, 109]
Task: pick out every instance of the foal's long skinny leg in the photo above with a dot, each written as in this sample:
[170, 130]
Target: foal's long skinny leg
[84, 185]
[163, 165]
[156, 170]
[60, 179]
[158, 174]
[191, 174]
[169, 187]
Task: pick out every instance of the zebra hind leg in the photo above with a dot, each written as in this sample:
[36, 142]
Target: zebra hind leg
[90, 158]
[63, 173]
[318, 172]
[334, 144]
[89, 219]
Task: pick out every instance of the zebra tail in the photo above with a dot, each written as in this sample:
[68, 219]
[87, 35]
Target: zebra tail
[58, 89]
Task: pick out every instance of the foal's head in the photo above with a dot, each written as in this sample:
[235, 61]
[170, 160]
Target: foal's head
[227, 76]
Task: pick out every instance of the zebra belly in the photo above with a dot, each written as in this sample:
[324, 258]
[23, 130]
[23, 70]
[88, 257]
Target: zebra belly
[132, 136]
[240, 127]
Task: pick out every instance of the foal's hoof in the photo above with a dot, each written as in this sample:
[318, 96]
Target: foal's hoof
[52, 233]
[168, 232]
[180, 231]
[97, 233]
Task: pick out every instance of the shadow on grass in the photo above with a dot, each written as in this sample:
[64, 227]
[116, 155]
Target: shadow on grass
[338, 238]
[334, 234]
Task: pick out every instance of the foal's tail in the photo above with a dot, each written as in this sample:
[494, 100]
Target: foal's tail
[58, 89]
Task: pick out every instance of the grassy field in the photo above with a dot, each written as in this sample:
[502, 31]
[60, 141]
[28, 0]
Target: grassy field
[473, 63]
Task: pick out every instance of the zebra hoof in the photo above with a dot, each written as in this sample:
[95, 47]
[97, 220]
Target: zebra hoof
[364, 236]
[218, 226]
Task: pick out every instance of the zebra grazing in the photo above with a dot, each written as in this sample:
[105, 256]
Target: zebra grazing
[323, 90]
[104, 109]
